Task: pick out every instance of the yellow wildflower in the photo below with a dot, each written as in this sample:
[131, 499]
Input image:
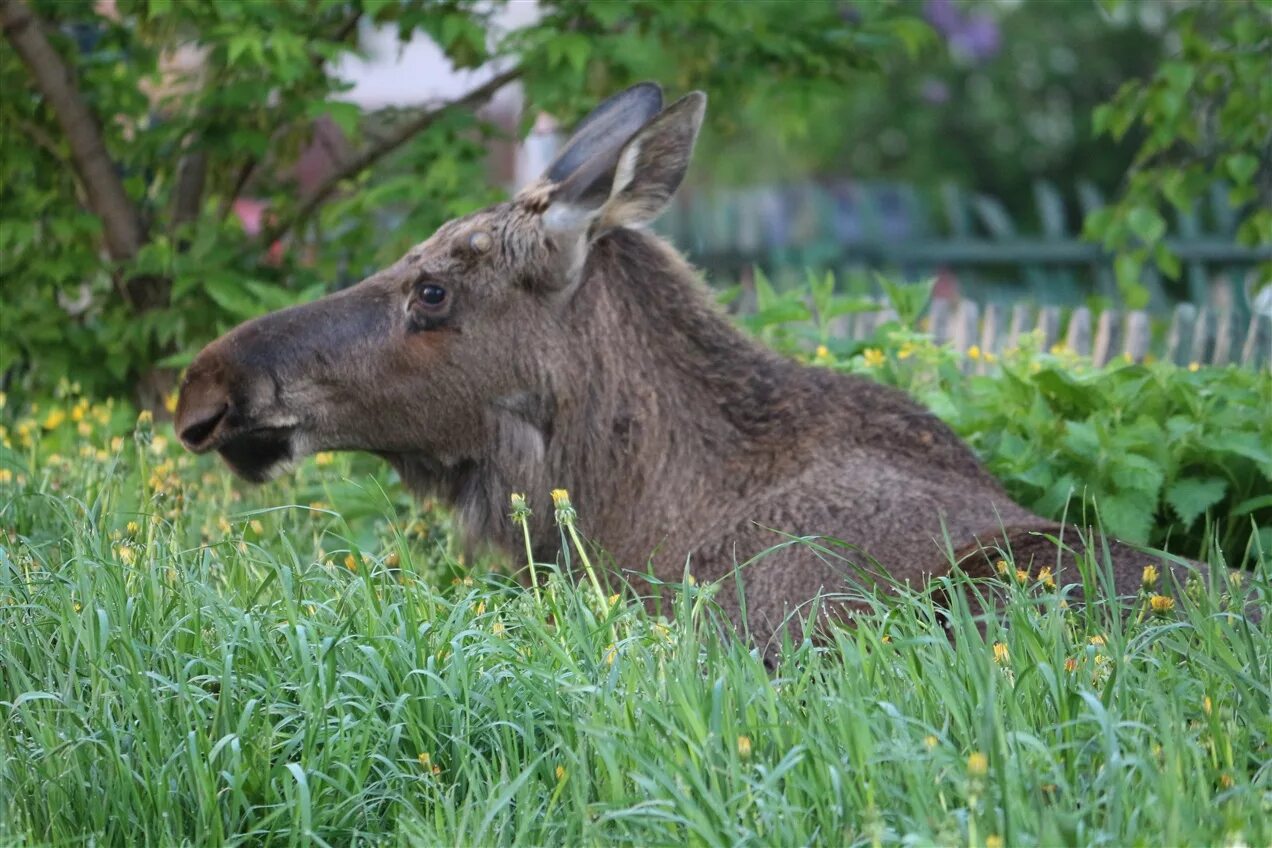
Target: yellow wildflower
[974, 352]
[1161, 604]
[613, 599]
[993, 841]
[1235, 578]
[1001, 654]
[1194, 367]
[133, 528]
[481, 608]
[744, 747]
[1001, 567]
[116, 444]
[1225, 781]
[223, 525]
[425, 758]
[610, 653]
[497, 628]
[560, 498]
[126, 554]
[351, 562]
[930, 741]
[1070, 664]
[977, 764]
[906, 351]
[145, 418]
[1022, 576]
[170, 403]
[991, 357]
[256, 526]
[560, 773]
[1044, 577]
[6, 475]
[1206, 705]
[54, 419]
[1149, 578]
[873, 357]
[84, 429]
[1097, 640]
[324, 458]
[823, 352]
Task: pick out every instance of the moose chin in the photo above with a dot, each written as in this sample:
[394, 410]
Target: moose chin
[553, 342]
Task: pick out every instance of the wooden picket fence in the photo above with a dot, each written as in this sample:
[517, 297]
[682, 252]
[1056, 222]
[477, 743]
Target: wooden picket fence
[1205, 335]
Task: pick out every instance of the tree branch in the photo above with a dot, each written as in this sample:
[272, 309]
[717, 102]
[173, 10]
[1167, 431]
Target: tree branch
[250, 168]
[121, 223]
[382, 148]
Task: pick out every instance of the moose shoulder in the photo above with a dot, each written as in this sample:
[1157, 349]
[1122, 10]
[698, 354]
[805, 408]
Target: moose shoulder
[552, 342]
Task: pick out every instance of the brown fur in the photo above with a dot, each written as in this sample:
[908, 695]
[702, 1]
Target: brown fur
[586, 355]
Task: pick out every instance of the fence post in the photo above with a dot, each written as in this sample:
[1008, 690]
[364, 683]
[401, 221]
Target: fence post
[1107, 330]
[1180, 333]
[1138, 335]
[1257, 352]
[1049, 324]
[1078, 337]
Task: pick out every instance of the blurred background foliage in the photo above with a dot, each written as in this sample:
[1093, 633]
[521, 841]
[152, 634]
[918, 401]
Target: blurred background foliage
[209, 114]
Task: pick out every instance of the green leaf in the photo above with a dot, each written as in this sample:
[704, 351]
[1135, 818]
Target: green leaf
[1132, 472]
[1191, 496]
[1241, 167]
[1127, 517]
[1146, 223]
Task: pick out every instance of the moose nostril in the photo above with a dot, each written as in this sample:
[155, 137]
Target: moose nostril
[197, 433]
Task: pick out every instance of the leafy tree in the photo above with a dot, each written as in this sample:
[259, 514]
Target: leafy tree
[119, 246]
[1204, 114]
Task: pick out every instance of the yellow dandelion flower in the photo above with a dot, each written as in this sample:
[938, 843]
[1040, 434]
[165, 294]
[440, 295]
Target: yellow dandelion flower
[127, 555]
[1148, 579]
[560, 498]
[223, 525]
[481, 608]
[497, 628]
[1161, 604]
[77, 606]
[1022, 576]
[1097, 640]
[887, 640]
[977, 764]
[873, 357]
[560, 773]
[351, 562]
[993, 841]
[425, 758]
[116, 444]
[132, 528]
[170, 403]
[744, 747]
[1225, 781]
[1236, 578]
[324, 458]
[974, 352]
[467, 581]
[930, 742]
[256, 526]
[1045, 578]
[1001, 567]
[1206, 705]
[145, 418]
[54, 419]
[906, 351]
[1194, 367]
[823, 352]
[1001, 655]
[613, 599]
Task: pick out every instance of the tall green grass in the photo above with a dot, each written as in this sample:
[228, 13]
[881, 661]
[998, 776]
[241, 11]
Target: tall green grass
[181, 664]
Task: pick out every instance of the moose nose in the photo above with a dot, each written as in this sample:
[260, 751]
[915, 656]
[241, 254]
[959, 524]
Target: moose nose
[202, 407]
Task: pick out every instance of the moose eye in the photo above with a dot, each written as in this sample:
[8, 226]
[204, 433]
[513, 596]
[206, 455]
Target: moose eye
[432, 295]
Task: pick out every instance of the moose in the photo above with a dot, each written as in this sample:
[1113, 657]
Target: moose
[551, 341]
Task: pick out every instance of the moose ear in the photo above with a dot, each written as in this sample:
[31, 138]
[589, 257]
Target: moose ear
[653, 164]
[581, 170]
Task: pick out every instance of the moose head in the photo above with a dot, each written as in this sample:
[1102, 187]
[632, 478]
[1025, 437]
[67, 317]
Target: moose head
[411, 361]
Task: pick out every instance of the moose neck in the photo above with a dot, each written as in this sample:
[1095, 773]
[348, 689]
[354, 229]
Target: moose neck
[658, 403]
